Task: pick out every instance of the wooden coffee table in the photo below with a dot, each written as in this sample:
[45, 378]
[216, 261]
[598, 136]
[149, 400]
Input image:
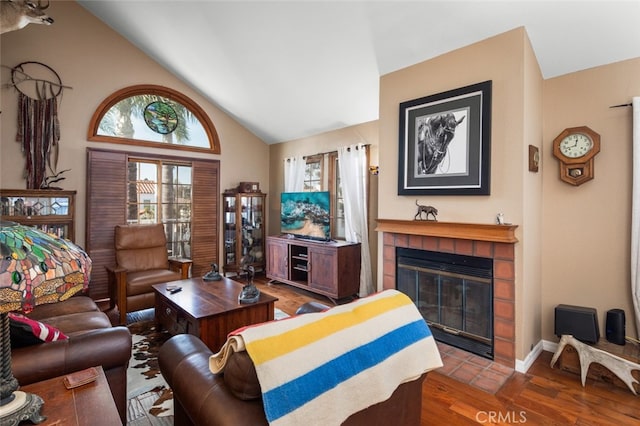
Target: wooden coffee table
[208, 309]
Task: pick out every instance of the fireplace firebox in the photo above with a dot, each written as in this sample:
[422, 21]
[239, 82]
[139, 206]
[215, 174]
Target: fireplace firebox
[454, 293]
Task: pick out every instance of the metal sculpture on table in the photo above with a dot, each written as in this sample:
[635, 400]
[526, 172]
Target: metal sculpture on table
[250, 293]
[213, 274]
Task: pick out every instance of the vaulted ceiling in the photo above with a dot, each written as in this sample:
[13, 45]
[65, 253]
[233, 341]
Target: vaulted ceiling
[291, 69]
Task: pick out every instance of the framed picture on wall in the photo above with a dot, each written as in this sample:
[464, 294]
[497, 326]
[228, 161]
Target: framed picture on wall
[445, 143]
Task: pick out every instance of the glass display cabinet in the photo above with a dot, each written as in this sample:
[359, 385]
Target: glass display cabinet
[244, 233]
[50, 210]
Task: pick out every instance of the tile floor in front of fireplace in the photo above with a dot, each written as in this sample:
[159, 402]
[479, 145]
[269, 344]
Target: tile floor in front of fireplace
[472, 369]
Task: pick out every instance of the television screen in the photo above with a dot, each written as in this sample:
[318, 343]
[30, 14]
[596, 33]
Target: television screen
[305, 215]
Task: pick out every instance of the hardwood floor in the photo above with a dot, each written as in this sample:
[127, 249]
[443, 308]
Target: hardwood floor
[289, 298]
[542, 396]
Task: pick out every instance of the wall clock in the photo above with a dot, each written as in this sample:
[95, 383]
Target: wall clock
[575, 148]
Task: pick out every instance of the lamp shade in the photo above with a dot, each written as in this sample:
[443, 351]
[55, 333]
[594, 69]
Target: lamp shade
[38, 268]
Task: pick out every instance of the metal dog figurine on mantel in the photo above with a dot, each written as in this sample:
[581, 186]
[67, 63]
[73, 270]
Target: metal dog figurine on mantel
[428, 211]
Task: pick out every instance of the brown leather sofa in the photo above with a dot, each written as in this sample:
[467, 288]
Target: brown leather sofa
[201, 397]
[92, 341]
[141, 262]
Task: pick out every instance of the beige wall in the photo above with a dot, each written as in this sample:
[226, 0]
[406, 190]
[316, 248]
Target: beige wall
[95, 61]
[325, 142]
[479, 62]
[529, 290]
[586, 239]
[507, 60]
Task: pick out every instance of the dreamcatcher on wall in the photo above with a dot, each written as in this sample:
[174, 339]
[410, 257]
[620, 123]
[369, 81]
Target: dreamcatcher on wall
[39, 92]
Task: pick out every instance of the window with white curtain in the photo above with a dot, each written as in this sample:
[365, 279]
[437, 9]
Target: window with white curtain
[313, 173]
[337, 199]
[314, 181]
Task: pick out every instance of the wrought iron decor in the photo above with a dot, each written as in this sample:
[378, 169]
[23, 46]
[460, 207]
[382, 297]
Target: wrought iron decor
[39, 88]
[445, 143]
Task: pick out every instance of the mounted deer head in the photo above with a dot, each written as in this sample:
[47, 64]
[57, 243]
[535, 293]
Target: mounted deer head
[17, 14]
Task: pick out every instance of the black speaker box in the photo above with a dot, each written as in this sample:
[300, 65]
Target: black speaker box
[615, 326]
[580, 322]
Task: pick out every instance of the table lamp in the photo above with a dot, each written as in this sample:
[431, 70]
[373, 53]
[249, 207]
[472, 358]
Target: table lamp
[35, 268]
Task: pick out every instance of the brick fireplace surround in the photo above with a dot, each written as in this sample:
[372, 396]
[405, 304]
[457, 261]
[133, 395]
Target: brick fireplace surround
[491, 241]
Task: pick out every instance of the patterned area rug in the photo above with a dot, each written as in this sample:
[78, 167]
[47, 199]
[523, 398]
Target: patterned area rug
[279, 314]
[148, 394]
[144, 380]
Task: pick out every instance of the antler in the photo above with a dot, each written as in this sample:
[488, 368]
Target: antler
[41, 7]
[588, 354]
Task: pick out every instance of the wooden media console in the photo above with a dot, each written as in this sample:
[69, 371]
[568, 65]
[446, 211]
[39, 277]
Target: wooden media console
[330, 268]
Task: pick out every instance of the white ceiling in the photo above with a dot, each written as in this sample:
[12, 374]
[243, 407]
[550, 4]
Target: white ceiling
[291, 69]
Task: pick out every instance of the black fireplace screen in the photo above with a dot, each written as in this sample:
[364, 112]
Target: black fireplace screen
[454, 293]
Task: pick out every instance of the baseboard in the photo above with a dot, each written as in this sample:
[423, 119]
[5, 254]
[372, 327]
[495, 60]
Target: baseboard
[523, 366]
[550, 346]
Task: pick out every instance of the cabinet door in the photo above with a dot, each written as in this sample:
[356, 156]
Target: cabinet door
[322, 268]
[277, 259]
[251, 215]
[230, 238]
[51, 211]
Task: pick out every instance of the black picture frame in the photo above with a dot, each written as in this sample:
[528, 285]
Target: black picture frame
[445, 143]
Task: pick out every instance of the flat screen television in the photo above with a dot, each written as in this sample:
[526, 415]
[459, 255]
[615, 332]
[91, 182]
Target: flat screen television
[305, 215]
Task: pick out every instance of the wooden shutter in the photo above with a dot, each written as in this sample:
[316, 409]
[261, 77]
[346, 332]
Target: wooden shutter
[204, 216]
[106, 200]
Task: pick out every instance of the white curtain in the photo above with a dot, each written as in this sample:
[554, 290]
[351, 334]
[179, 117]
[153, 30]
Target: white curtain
[294, 168]
[635, 215]
[353, 178]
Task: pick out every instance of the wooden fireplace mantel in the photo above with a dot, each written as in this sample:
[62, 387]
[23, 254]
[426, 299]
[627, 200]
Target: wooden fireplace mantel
[463, 231]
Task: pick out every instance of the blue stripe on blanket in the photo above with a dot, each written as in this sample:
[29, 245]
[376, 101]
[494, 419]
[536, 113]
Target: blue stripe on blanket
[288, 397]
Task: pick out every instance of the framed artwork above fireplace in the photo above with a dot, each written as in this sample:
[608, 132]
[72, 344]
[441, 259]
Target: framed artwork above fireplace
[445, 143]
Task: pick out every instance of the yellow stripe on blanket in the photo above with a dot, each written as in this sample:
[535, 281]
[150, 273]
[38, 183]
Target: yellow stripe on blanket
[326, 366]
[267, 348]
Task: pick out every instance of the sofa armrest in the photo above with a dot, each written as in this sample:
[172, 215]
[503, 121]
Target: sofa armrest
[200, 395]
[116, 274]
[114, 269]
[311, 307]
[108, 347]
[117, 286]
[181, 265]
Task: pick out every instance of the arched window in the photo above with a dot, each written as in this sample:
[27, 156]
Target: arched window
[154, 116]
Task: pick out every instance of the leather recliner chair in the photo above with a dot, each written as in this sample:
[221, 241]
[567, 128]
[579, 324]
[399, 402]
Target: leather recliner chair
[141, 262]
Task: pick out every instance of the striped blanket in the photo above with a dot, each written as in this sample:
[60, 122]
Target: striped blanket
[326, 366]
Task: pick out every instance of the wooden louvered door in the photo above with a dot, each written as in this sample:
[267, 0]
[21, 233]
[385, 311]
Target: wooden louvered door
[106, 208]
[106, 202]
[204, 216]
